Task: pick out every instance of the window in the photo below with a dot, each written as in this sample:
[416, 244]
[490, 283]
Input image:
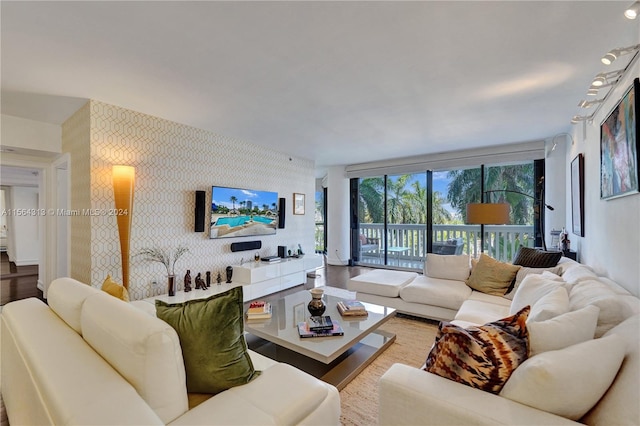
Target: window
[402, 217]
[320, 214]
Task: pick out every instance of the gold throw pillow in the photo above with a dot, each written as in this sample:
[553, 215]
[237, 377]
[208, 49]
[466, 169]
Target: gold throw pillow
[492, 276]
[115, 289]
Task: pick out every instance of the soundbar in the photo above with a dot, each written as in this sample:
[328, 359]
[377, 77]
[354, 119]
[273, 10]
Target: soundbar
[246, 245]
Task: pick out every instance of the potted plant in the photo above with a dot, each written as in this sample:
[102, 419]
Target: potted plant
[165, 257]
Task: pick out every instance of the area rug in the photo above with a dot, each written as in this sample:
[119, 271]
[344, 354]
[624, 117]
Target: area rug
[359, 399]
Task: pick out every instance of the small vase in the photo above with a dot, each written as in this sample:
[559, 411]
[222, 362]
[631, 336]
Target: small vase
[172, 286]
[316, 306]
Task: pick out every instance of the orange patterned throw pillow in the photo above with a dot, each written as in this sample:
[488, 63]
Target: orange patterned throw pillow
[481, 357]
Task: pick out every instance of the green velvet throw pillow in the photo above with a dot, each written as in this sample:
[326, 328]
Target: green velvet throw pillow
[211, 333]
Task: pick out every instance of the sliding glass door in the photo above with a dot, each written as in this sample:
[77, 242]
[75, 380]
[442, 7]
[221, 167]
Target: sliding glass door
[402, 217]
[369, 241]
[392, 220]
[406, 212]
[452, 191]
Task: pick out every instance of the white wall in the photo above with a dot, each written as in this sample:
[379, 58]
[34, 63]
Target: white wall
[611, 245]
[172, 161]
[555, 185]
[338, 236]
[29, 134]
[24, 243]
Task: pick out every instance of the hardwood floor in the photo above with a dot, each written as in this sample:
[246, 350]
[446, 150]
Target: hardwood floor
[17, 282]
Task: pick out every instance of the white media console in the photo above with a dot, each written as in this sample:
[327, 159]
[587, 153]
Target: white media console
[258, 279]
[262, 278]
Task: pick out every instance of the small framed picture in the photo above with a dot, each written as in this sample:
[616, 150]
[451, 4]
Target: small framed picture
[298, 203]
[298, 313]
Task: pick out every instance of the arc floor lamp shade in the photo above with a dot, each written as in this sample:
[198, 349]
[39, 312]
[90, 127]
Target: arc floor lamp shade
[123, 183]
[488, 213]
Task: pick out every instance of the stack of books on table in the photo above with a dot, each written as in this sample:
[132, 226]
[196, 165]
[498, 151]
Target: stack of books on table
[259, 310]
[320, 326]
[352, 308]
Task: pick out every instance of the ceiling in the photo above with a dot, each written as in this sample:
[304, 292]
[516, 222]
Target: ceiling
[335, 82]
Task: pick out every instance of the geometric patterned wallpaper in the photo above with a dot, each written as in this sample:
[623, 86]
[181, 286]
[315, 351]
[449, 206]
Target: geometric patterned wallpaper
[172, 161]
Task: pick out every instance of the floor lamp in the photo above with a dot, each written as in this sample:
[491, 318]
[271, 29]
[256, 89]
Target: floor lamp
[498, 213]
[123, 182]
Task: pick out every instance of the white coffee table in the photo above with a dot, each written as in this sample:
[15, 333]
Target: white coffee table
[336, 359]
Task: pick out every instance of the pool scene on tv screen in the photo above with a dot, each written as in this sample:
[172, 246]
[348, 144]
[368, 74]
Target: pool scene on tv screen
[237, 212]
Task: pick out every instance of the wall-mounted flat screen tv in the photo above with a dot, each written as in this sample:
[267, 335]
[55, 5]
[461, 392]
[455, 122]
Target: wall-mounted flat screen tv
[237, 212]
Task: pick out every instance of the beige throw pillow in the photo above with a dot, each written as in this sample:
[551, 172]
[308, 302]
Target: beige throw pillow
[492, 276]
[552, 304]
[570, 381]
[562, 331]
[524, 271]
[532, 289]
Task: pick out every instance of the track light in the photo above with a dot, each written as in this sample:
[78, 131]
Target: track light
[632, 11]
[613, 54]
[589, 104]
[593, 90]
[606, 77]
[578, 118]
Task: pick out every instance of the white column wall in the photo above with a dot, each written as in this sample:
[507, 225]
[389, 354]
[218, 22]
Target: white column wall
[338, 244]
[555, 186]
[25, 247]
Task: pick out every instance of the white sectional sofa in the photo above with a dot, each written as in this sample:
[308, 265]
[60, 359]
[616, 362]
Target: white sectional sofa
[89, 358]
[577, 369]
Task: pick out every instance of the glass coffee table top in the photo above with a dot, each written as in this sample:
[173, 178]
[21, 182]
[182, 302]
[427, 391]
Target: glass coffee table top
[282, 328]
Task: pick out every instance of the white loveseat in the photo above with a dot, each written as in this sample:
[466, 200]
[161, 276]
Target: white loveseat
[410, 395]
[89, 358]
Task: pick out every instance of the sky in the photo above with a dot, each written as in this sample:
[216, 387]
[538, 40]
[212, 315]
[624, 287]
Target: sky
[440, 184]
[222, 196]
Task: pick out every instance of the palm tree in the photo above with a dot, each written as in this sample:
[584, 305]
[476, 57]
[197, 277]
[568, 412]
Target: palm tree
[371, 206]
[440, 215]
[417, 202]
[465, 188]
[397, 208]
[404, 205]
[233, 200]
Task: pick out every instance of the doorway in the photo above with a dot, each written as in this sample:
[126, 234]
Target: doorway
[20, 226]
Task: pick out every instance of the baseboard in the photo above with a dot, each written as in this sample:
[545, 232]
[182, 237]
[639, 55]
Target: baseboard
[28, 262]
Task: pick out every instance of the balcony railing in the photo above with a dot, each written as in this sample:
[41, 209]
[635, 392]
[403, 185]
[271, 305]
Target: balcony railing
[410, 241]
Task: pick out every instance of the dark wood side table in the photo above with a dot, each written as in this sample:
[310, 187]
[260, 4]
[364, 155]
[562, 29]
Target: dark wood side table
[570, 254]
